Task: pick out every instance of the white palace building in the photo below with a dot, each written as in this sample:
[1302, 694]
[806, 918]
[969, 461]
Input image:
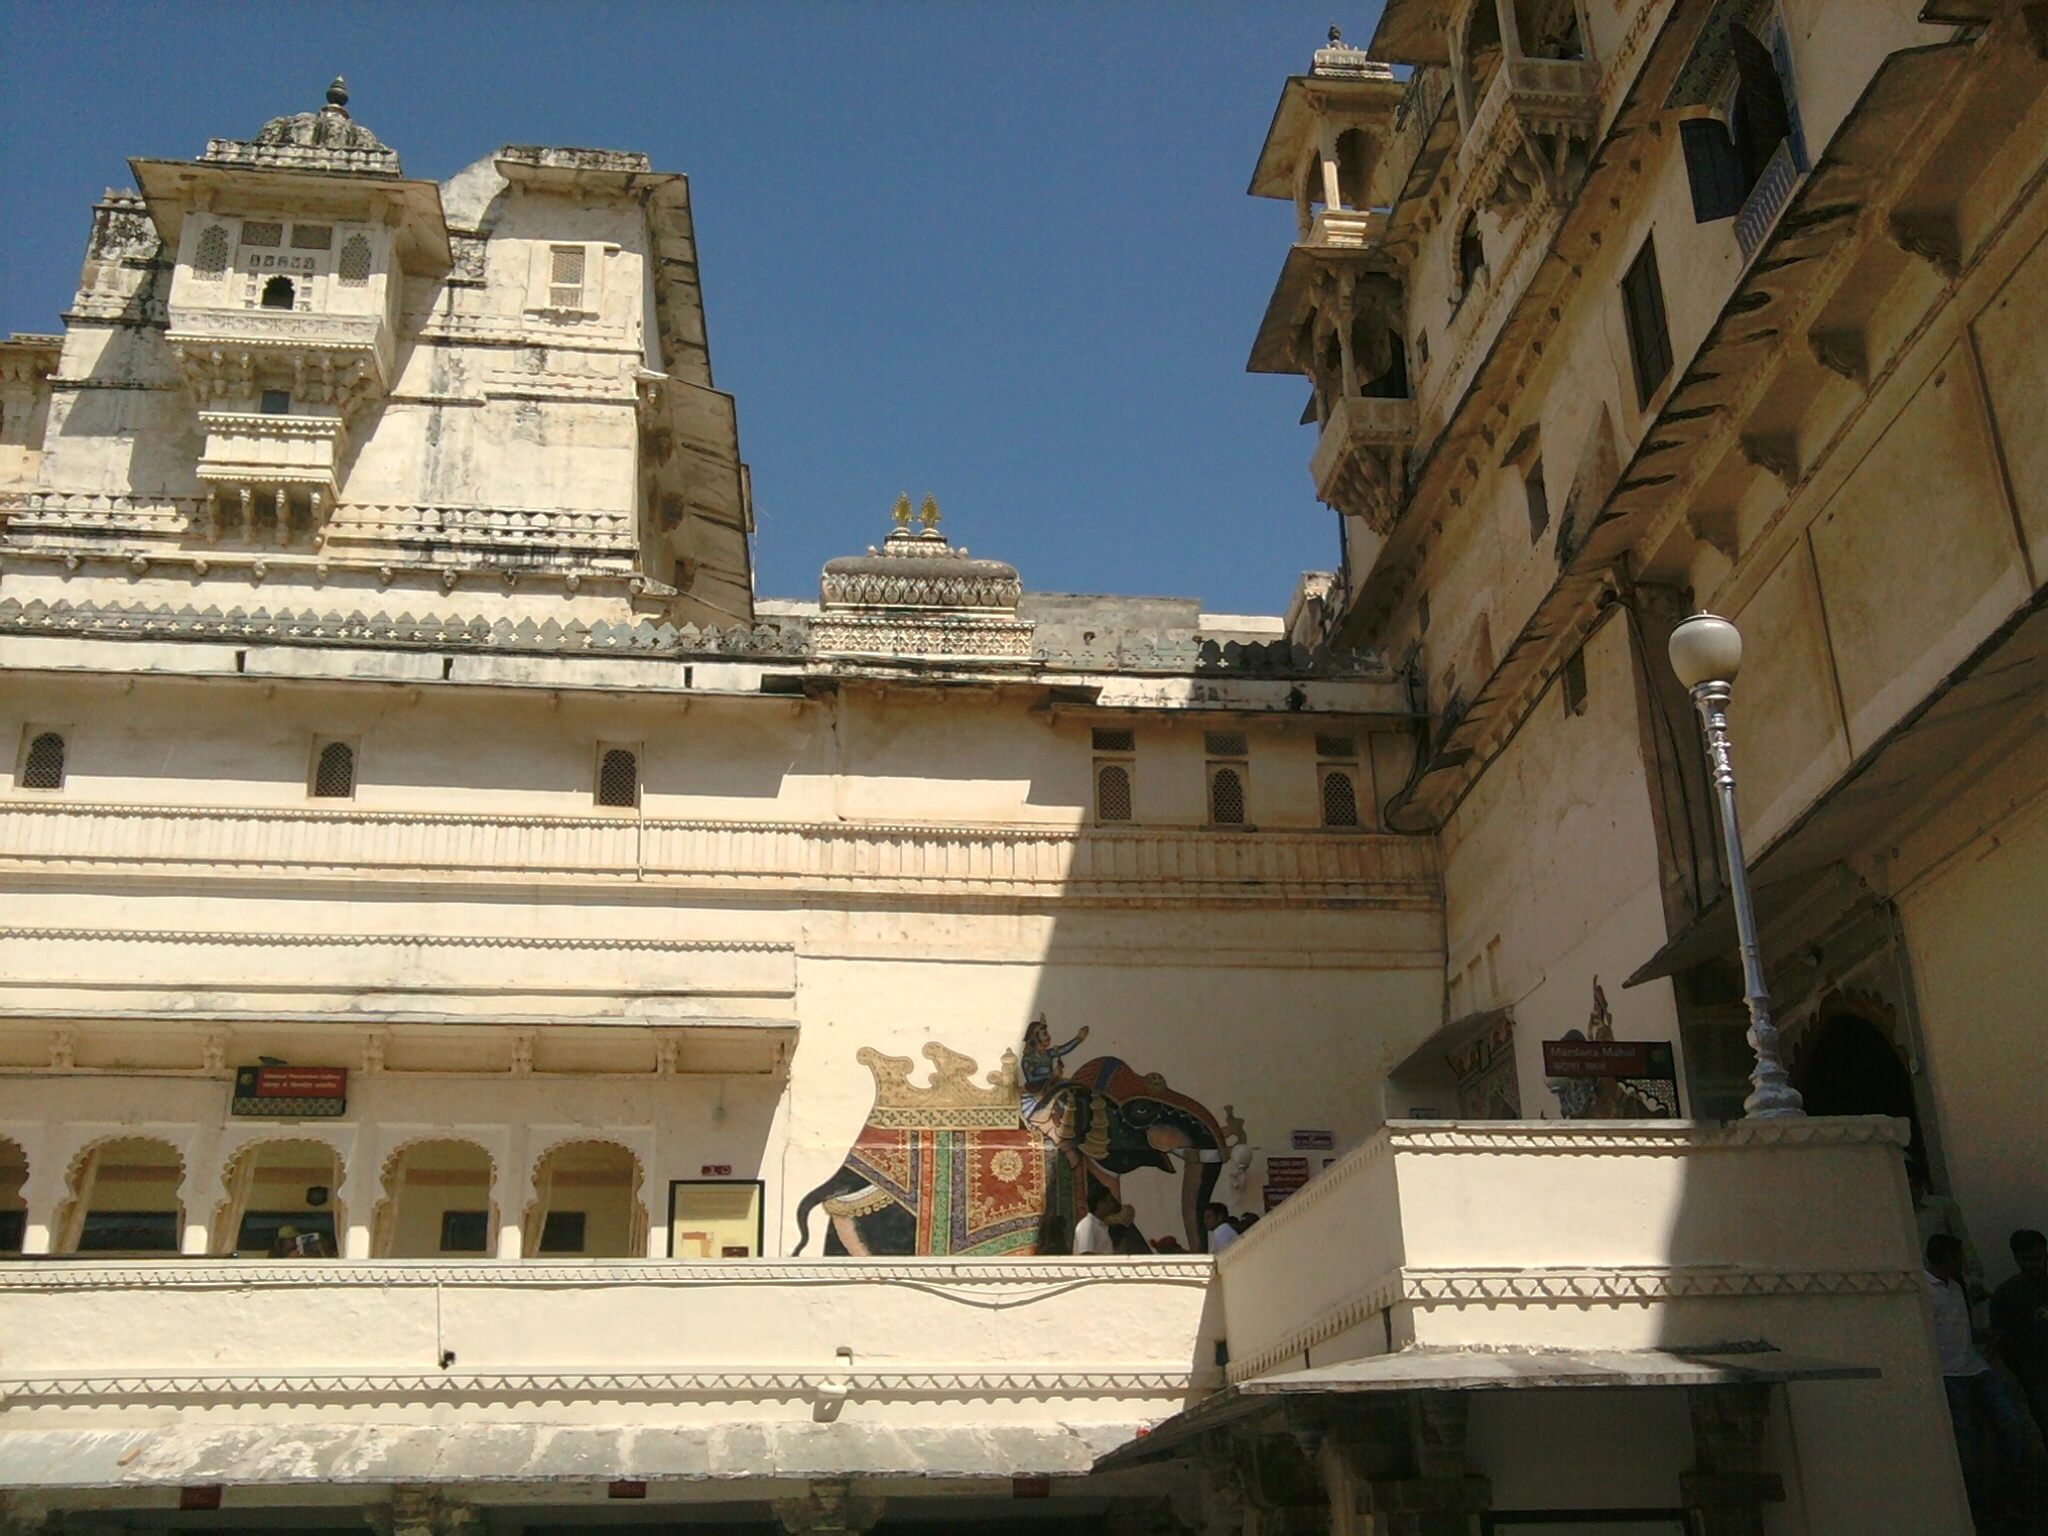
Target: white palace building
[502, 1029]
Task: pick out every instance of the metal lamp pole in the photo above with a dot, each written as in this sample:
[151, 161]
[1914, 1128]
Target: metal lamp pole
[1706, 653]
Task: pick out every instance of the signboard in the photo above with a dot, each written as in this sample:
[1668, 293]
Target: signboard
[1315, 1141]
[1284, 1175]
[1608, 1058]
[290, 1093]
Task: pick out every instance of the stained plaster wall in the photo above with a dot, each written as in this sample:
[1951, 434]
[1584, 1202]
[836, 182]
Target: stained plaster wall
[1552, 859]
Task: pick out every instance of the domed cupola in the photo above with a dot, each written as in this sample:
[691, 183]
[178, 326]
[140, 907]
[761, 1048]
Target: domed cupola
[920, 596]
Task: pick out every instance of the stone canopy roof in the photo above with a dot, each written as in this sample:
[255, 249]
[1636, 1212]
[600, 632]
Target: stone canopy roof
[326, 140]
[916, 568]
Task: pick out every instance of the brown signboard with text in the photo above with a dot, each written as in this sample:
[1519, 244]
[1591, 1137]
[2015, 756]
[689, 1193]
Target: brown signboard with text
[1608, 1058]
[291, 1093]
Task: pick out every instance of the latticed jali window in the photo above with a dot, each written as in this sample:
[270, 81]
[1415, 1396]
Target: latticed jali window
[1112, 792]
[334, 772]
[43, 768]
[1226, 797]
[210, 256]
[1340, 799]
[1344, 748]
[266, 235]
[1224, 743]
[354, 266]
[618, 779]
[312, 237]
[565, 277]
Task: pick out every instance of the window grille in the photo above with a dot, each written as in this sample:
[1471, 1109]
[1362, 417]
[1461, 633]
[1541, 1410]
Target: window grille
[1340, 799]
[1226, 797]
[210, 257]
[265, 235]
[1649, 336]
[279, 293]
[1224, 743]
[565, 277]
[618, 779]
[1336, 746]
[276, 402]
[43, 768]
[1112, 792]
[1109, 740]
[354, 266]
[312, 237]
[334, 772]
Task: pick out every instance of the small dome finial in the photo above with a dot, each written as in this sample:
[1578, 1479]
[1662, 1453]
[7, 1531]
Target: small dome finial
[337, 93]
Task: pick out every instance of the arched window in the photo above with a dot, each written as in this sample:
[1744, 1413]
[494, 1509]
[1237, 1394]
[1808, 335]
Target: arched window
[1226, 797]
[334, 772]
[618, 778]
[354, 267]
[1340, 799]
[1112, 792]
[43, 767]
[279, 293]
[1471, 254]
[210, 257]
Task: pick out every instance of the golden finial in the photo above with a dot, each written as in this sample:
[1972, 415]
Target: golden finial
[928, 514]
[902, 512]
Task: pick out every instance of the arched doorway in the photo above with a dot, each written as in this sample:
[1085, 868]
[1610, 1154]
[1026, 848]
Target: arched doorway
[122, 1198]
[280, 1193]
[587, 1203]
[1850, 1067]
[437, 1202]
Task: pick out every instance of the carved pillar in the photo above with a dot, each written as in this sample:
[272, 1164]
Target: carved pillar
[828, 1508]
[1728, 1486]
[1347, 309]
[200, 1191]
[284, 516]
[1510, 32]
[248, 514]
[515, 1194]
[43, 1190]
[1461, 81]
[1326, 148]
[213, 515]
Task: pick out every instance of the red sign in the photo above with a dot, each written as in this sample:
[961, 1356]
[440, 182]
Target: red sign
[1607, 1058]
[301, 1082]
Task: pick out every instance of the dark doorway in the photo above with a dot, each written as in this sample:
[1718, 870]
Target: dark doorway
[279, 293]
[1852, 1069]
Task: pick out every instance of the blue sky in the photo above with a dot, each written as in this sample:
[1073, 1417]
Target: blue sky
[1002, 254]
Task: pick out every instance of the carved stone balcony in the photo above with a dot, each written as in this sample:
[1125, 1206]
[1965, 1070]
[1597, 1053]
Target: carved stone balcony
[230, 355]
[1361, 461]
[1519, 149]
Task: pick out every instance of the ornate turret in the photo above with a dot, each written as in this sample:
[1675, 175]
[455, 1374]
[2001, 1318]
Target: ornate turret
[326, 140]
[919, 596]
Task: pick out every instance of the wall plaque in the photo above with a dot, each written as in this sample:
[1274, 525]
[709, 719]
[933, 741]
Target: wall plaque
[290, 1093]
[1608, 1058]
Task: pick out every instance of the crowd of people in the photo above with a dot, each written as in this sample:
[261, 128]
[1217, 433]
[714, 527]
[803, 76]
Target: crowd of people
[1110, 1227]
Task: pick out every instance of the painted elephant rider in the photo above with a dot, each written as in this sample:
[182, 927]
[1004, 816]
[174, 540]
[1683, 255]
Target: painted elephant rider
[1057, 1109]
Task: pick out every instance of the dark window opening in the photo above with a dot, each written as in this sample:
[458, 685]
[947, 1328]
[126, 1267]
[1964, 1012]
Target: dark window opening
[562, 1232]
[129, 1232]
[334, 775]
[465, 1231]
[1108, 739]
[1354, 160]
[1714, 170]
[1649, 336]
[279, 293]
[1761, 119]
[1539, 501]
[1391, 383]
[277, 402]
[1226, 798]
[1336, 746]
[1471, 255]
[44, 766]
[1224, 743]
[618, 779]
[1112, 792]
[1573, 684]
[13, 1228]
[1851, 1068]
[1340, 799]
[312, 1232]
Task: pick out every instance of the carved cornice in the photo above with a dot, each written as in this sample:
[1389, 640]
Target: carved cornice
[1619, 1286]
[256, 939]
[1640, 1137]
[1040, 863]
[736, 1384]
[1005, 1282]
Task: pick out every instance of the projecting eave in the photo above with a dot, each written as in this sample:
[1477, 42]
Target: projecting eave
[170, 187]
[1354, 103]
[1273, 347]
[1410, 32]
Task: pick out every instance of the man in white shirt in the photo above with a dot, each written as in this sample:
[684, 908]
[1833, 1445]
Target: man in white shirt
[1216, 1217]
[1091, 1232]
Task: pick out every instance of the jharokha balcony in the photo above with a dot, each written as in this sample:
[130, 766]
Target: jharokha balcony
[1529, 132]
[1361, 460]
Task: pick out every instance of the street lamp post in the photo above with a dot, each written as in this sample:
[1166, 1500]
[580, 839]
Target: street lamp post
[1706, 653]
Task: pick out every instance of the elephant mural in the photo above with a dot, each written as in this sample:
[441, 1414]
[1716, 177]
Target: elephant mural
[959, 1167]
